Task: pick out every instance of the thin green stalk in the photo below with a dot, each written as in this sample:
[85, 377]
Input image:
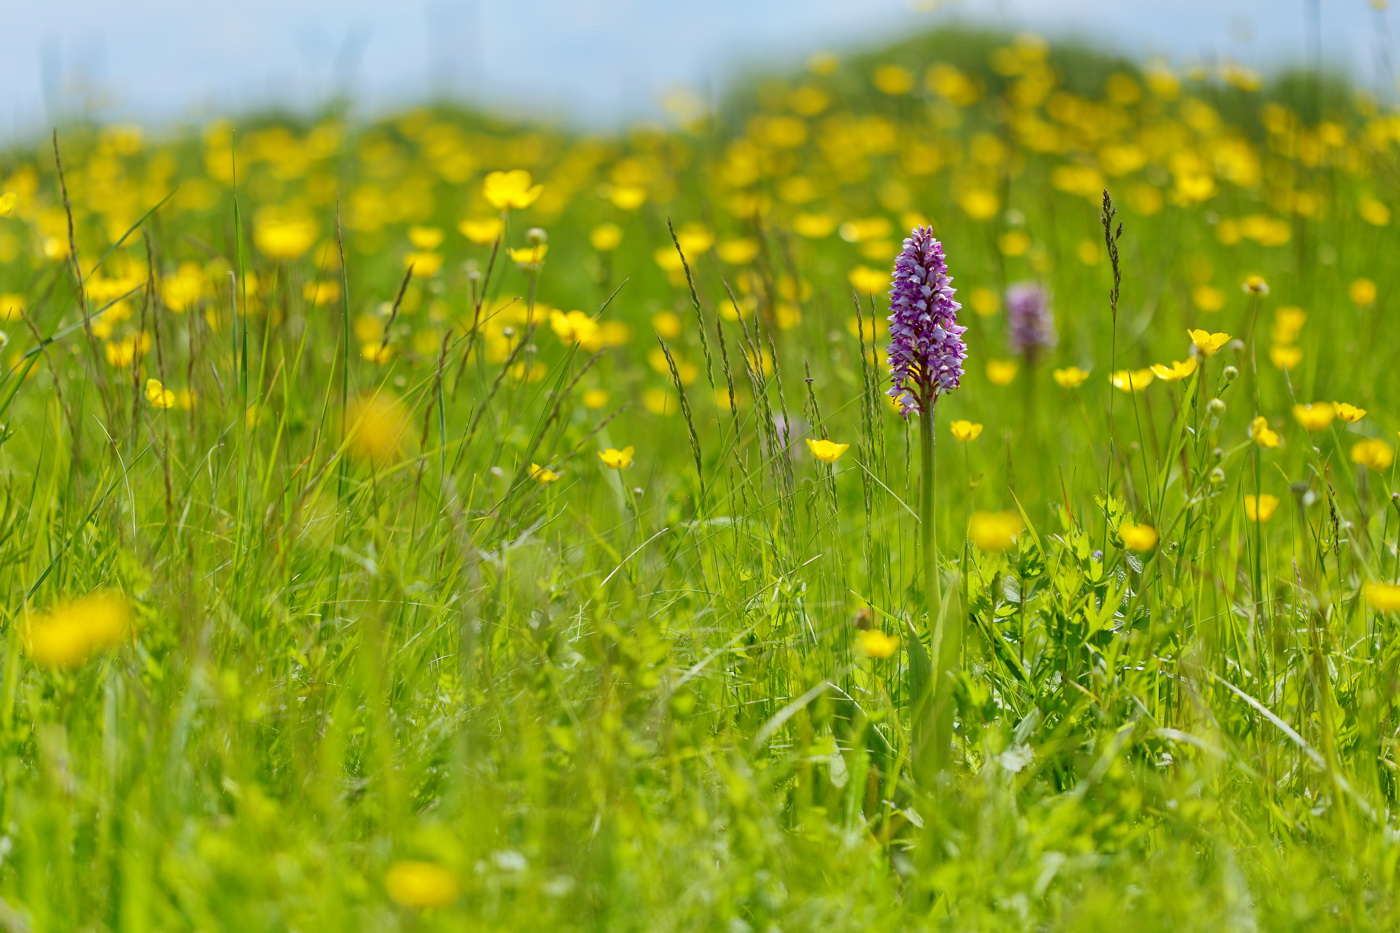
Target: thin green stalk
[943, 641]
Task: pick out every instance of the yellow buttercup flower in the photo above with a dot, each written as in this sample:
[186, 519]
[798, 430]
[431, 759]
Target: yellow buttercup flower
[1138, 537]
[1373, 454]
[1349, 413]
[1260, 508]
[506, 190]
[73, 631]
[420, 885]
[158, 395]
[1315, 415]
[542, 474]
[1382, 597]
[965, 430]
[1132, 380]
[877, 644]
[1208, 343]
[1261, 433]
[616, 459]
[573, 326]
[825, 450]
[994, 531]
[1176, 371]
[1070, 377]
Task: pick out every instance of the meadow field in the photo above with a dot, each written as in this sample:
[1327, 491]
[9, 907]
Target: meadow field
[447, 521]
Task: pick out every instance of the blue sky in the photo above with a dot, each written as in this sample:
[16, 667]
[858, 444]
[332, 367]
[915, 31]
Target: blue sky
[593, 60]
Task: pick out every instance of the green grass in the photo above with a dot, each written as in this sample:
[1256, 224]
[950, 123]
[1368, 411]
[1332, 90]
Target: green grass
[634, 700]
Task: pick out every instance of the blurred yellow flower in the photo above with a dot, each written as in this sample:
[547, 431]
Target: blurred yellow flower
[1382, 597]
[573, 326]
[506, 190]
[425, 238]
[1261, 433]
[542, 474]
[158, 395]
[1261, 508]
[616, 459]
[1176, 371]
[1071, 377]
[984, 301]
[605, 237]
[1373, 454]
[1255, 285]
[72, 631]
[660, 401]
[869, 281]
[979, 204]
[893, 80]
[11, 306]
[1207, 298]
[376, 351]
[529, 257]
[1001, 372]
[1362, 291]
[1315, 415]
[424, 265]
[627, 197]
[814, 226]
[994, 531]
[483, 231]
[737, 252]
[1288, 321]
[420, 885]
[1285, 357]
[376, 427]
[825, 450]
[1132, 380]
[1014, 243]
[1138, 537]
[877, 644]
[965, 430]
[1373, 211]
[321, 292]
[283, 237]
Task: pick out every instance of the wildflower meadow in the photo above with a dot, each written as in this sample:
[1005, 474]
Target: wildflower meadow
[950, 486]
